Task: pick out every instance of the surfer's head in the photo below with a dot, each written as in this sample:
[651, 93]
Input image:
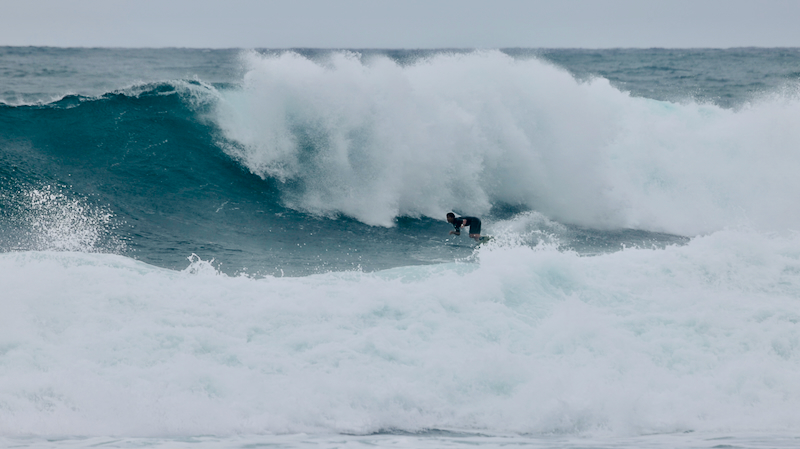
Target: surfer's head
[451, 217]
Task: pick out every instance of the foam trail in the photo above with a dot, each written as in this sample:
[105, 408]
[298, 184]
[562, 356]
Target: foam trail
[698, 337]
[376, 139]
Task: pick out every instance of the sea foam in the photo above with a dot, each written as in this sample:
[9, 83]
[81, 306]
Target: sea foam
[374, 139]
[701, 337]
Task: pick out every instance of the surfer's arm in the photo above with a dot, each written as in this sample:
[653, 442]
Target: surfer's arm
[458, 227]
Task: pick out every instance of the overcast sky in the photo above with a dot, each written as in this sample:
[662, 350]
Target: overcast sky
[401, 24]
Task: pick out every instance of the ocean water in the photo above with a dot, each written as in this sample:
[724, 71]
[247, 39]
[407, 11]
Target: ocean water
[240, 248]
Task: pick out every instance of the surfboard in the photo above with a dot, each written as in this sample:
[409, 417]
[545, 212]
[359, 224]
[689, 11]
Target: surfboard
[484, 239]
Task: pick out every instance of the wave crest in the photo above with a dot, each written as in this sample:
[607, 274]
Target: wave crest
[374, 140]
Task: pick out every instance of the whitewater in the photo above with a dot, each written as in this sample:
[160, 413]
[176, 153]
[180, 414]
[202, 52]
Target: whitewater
[248, 248]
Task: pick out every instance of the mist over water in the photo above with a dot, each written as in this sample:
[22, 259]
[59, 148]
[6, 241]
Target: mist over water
[230, 248]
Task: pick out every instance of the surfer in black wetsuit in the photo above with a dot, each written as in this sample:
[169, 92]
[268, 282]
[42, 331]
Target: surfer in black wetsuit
[473, 223]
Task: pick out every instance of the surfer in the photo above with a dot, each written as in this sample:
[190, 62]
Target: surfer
[473, 223]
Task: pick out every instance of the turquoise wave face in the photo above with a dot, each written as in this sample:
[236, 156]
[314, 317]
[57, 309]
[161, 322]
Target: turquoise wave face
[149, 160]
[148, 172]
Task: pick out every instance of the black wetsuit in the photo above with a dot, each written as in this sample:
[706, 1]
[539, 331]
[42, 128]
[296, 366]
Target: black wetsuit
[473, 223]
